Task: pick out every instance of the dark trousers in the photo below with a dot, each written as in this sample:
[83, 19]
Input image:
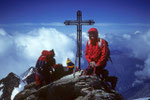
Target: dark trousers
[104, 75]
[46, 76]
[101, 72]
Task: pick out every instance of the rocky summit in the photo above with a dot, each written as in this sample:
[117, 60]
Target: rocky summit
[7, 86]
[68, 88]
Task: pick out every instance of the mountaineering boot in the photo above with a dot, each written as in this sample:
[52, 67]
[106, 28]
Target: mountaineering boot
[113, 81]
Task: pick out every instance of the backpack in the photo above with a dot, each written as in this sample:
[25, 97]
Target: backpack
[108, 51]
[41, 62]
[43, 59]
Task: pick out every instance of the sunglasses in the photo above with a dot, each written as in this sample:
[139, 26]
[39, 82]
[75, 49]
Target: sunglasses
[92, 34]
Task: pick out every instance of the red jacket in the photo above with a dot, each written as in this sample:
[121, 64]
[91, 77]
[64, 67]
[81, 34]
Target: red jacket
[97, 53]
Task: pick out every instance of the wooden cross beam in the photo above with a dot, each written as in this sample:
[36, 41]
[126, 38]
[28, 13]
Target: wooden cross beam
[79, 22]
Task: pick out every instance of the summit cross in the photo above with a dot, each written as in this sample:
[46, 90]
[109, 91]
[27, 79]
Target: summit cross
[79, 22]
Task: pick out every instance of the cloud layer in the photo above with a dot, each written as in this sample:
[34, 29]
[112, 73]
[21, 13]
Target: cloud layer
[2, 32]
[136, 46]
[21, 50]
[142, 51]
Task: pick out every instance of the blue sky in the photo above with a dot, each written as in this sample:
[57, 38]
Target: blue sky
[29, 26]
[110, 16]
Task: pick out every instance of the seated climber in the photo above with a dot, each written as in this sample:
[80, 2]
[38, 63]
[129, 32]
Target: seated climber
[44, 67]
[97, 54]
[70, 65]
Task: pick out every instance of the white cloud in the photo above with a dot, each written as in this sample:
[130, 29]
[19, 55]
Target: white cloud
[140, 46]
[102, 35]
[85, 37]
[35, 24]
[145, 72]
[127, 36]
[34, 42]
[136, 47]
[146, 38]
[5, 41]
[62, 24]
[136, 82]
[2, 32]
[22, 50]
[122, 24]
[137, 32]
[53, 24]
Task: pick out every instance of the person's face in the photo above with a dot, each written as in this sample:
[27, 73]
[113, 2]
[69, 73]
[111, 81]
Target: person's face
[92, 36]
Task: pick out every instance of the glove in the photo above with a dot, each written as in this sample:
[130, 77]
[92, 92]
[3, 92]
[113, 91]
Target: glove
[93, 64]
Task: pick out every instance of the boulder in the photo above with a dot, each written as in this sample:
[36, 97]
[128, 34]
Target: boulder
[68, 88]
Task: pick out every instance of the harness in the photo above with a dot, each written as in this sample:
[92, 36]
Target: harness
[99, 42]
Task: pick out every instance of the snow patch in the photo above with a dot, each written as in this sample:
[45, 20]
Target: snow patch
[17, 90]
[71, 75]
[1, 85]
[31, 70]
[1, 90]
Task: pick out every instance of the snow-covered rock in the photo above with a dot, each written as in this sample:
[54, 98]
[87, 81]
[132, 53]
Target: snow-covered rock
[18, 89]
[7, 86]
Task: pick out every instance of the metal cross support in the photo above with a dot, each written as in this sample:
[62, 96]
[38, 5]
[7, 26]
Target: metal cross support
[79, 22]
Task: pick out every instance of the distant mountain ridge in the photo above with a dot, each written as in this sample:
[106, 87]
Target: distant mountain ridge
[139, 91]
[27, 73]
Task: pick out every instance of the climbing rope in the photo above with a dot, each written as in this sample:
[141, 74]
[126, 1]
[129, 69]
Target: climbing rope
[93, 82]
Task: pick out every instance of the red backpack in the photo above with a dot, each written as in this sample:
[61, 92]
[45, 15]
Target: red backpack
[43, 59]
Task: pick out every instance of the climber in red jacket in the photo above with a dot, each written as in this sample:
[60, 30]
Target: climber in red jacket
[97, 54]
[44, 66]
